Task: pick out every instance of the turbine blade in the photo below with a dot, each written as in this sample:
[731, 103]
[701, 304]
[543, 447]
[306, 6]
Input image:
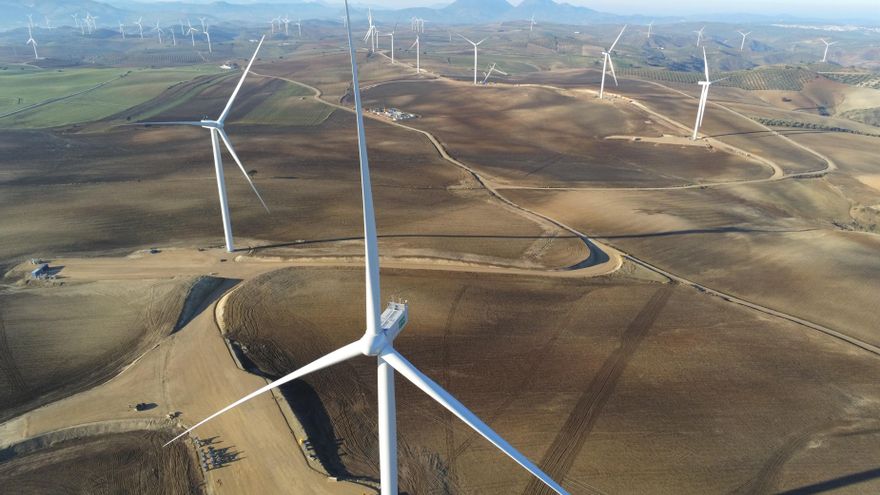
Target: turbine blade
[241, 167]
[342, 354]
[197, 124]
[437, 393]
[240, 82]
[617, 39]
[705, 63]
[371, 240]
[482, 40]
[611, 65]
[414, 44]
[469, 41]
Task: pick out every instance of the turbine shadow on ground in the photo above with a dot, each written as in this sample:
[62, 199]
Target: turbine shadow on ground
[834, 484]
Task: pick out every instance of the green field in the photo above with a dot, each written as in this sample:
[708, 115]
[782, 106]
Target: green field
[133, 88]
[291, 105]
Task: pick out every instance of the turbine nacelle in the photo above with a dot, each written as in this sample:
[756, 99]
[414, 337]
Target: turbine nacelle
[393, 320]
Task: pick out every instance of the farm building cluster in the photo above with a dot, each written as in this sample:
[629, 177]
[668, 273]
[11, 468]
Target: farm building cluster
[393, 113]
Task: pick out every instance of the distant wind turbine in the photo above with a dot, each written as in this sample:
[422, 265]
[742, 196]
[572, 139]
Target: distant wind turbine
[827, 46]
[418, 54]
[299, 28]
[122, 29]
[492, 69]
[192, 34]
[208, 36]
[650, 26]
[140, 26]
[31, 41]
[391, 34]
[475, 54]
[743, 44]
[159, 32]
[700, 35]
[532, 23]
[217, 135]
[377, 343]
[608, 63]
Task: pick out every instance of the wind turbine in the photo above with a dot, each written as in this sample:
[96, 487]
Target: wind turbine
[372, 32]
[286, 21]
[827, 46]
[532, 23]
[299, 27]
[122, 29]
[650, 27]
[173, 37]
[48, 23]
[743, 44]
[377, 343]
[182, 31]
[158, 32]
[272, 23]
[217, 135]
[475, 54]
[609, 63]
[418, 54]
[75, 16]
[30, 21]
[204, 27]
[700, 35]
[208, 36]
[489, 73]
[140, 26]
[33, 42]
[704, 96]
[391, 34]
[192, 34]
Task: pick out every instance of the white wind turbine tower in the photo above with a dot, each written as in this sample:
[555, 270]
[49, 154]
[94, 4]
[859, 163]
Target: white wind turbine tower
[377, 343]
[182, 31]
[204, 26]
[140, 26]
[700, 35]
[743, 44]
[48, 23]
[122, 29]
[286, 21]
[30, 21]
[173, 38]
[827, 46]
[31, 41]
[489, 73]
[650, 28]
[217, 135]
[704, 96]
[418, 54]
[299, 27]
[609, 63]
[532, 23]
[272, 24]
[475, 54]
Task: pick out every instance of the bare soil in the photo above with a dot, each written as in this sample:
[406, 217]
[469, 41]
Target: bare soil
[134, 462]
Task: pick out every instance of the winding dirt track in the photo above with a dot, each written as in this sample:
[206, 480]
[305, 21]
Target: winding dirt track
[608, 249]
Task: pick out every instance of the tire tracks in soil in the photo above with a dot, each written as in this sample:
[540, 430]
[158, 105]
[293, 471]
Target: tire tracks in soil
[571, 437]
[14, 378]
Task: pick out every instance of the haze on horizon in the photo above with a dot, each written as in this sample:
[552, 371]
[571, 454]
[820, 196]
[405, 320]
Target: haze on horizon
[847, 10]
